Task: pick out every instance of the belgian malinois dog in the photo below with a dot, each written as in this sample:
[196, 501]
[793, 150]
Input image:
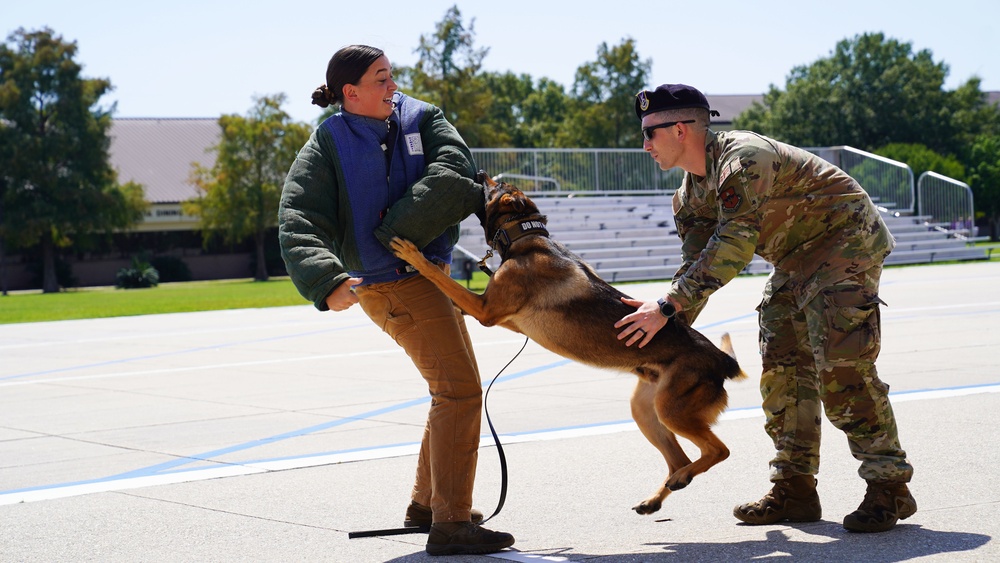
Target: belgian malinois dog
[549, 294]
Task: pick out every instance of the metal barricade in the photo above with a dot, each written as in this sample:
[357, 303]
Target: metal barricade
[949, 202]
[888, 182]
[616, 171]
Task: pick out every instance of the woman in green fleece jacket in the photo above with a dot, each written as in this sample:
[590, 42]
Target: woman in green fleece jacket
[389, 165]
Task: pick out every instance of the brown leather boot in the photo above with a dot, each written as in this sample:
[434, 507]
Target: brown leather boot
[461, 538]
[885, 503]
[418, 515]
[794, 500]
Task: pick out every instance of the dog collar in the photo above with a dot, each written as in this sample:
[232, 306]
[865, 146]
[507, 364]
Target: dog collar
[508, 234]
[505, 236]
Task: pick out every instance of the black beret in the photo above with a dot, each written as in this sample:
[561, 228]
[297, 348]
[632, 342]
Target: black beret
[670, 96]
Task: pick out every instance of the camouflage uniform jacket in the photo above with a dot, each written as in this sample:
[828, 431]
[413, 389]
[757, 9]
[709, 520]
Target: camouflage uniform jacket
[809, 219]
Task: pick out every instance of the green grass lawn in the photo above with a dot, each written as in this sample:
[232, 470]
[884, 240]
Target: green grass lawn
[90, 303]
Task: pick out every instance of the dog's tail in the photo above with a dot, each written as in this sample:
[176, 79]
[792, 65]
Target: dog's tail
[727, 346]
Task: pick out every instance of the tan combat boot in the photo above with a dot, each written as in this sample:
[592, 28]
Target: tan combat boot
[885, 503]
[794, 500]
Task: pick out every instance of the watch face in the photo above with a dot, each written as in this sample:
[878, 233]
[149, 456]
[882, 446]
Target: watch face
[667, 308]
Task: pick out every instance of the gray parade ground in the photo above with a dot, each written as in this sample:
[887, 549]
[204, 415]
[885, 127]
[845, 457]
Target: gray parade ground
[270, 434]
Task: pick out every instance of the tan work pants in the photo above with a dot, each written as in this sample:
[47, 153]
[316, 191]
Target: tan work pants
[425, 323]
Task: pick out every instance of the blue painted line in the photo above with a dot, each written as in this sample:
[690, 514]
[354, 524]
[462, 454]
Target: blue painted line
[56, 486]
[172, 466]
[725, 322]
[206, 456]
[334, 452]
[175, 353]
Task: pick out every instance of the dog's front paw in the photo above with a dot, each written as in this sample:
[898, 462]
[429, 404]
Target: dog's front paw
[404, 249]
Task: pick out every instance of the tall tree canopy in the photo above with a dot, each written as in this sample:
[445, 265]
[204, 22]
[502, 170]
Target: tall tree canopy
[871, 91]
[604, 91]
[239, 194]
[54, 149]
[507, 109]
[526, 114]
[449, 75]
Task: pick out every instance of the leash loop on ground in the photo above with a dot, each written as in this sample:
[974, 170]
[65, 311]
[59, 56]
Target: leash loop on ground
[500, 454]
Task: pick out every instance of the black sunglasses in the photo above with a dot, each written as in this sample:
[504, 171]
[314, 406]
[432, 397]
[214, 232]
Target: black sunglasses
[647, 132]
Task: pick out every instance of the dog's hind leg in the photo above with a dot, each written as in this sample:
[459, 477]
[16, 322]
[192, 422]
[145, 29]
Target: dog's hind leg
[689, 413]
[644, 414]
[712, 450]
[687, 408]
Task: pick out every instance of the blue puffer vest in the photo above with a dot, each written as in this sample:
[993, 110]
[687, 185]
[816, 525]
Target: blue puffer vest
[374, 183]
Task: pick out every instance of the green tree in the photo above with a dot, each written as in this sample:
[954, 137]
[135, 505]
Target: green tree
[57, 179]
[870, 92]
[546, 112]
[238, 196]
[604, 92]
[505, 114]
[921, 159]
[523, 114]
[984, 179]
[448, 75]
[972, 116]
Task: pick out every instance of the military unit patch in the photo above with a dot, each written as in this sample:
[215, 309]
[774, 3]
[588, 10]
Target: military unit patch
[730, 200]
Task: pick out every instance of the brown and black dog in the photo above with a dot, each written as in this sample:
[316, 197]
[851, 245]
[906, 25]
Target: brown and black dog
[546, 292]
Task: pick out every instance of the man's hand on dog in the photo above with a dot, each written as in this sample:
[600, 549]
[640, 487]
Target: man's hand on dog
[641, 325]
[341, 298]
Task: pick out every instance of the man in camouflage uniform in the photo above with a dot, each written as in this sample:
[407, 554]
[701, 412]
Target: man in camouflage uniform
[819, 319]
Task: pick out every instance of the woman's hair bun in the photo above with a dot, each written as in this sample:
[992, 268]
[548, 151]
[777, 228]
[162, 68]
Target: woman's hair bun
[321, 96]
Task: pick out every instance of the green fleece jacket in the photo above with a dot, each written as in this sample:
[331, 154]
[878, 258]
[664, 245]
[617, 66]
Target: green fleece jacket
[315, 218]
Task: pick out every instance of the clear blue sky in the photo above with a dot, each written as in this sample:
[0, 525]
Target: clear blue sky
[202, 59]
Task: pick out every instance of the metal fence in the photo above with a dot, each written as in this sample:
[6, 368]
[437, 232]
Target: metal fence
[888, 182]
[948, 201]
[615, 171]
[587, 171]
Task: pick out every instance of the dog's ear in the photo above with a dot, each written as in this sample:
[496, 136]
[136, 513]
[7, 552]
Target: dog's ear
[483, 178]
[519, 203]
[514, 200]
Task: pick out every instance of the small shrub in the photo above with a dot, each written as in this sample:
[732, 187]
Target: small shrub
[139, 274]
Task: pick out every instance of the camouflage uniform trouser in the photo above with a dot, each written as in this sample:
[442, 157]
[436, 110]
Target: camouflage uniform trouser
[824, 352]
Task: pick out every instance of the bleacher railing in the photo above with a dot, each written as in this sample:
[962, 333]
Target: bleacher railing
[579, 171]
[617, 171]
[948, 201]
[888, 182]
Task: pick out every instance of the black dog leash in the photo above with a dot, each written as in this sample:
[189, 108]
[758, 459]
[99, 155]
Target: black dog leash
[503, 470]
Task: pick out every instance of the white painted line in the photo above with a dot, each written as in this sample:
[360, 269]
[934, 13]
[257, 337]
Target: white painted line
[104, 486]
[526, 557]
[187, 476]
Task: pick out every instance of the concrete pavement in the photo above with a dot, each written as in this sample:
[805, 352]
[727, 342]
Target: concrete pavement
[269, 434]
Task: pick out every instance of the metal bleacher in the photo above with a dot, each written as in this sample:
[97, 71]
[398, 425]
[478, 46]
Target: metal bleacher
[633, 238]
